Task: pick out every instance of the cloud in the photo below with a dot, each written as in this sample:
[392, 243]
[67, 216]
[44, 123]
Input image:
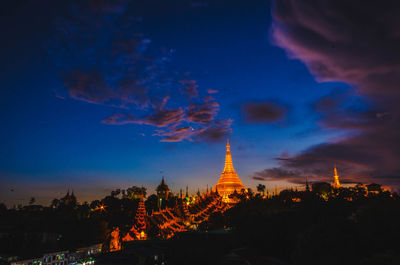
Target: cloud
[212, 91]
[275, 174]
[104, 59]
[196, 123]
[295, 176]
[132, 91]
[262, 112]
[172, 138]
[216, 131]
[342, 110]
[202, 113]
[174, 134]
[190, 88]
[164, 118]
[101, 56]
[90, 87]
[348, 41]
[212, 132]
[159, 118]
[331, 37]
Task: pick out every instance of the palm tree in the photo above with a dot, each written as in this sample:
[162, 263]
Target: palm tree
[261, 188]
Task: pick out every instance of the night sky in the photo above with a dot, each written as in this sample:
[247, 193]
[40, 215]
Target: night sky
[98, 95]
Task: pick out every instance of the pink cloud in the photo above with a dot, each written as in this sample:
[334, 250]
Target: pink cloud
[342, 41]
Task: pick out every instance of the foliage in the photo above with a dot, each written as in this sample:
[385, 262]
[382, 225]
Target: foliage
[357, 226]
[325, 226]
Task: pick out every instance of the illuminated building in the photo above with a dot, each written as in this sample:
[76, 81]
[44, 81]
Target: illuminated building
[186, 216]
[138, 230]
[80, 256]
[229, 181]
[336, 183]
[162, 192]
[140, 219]
[55, 258]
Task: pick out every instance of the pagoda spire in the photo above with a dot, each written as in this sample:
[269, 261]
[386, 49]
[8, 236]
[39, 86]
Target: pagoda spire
[336, 182]
[229, 180]
[228, 168]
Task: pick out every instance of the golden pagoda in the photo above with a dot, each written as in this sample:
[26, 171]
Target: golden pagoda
[336, 183]
[229, 181]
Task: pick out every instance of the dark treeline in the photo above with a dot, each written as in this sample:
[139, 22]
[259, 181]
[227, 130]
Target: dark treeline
[322, 225]
[358, 225]
[32, 230]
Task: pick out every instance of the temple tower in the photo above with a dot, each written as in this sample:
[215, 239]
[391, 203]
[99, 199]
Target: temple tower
[229, 181]
[162, 190]
[336, 182]
[140, 215]
[138, 230]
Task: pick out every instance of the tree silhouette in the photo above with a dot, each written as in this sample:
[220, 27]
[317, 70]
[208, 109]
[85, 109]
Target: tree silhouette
[261, 189]
[135, 192]
[32, 201]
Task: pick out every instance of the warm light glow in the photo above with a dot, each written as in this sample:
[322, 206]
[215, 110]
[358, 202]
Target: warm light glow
[115, 244]
[139, 228]
[336, 183]
[127, 238]
[229, 181]
[169, 221]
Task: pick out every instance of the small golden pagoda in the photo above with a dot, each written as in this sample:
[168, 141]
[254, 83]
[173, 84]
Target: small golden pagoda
[229, 181]
[336, 183]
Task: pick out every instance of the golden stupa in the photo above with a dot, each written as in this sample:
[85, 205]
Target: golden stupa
[336, 182]
[229, 181]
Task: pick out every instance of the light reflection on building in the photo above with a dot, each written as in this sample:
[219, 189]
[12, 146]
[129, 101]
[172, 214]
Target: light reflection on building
[229, 181]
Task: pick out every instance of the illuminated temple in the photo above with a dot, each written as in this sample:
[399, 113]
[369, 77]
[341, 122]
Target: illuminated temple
[336, 182]
[229, 181]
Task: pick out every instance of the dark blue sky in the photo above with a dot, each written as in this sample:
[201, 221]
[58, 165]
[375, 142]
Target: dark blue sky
[97, 96]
